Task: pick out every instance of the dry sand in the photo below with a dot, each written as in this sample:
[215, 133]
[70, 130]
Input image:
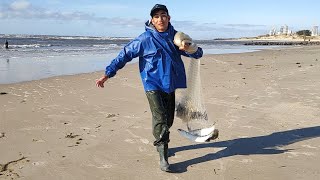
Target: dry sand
[266, 105]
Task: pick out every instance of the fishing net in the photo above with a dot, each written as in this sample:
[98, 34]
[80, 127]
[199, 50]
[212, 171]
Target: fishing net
[191, 109]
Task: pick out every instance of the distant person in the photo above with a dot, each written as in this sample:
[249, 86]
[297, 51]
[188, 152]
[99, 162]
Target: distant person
[6, 44]
[162, 72]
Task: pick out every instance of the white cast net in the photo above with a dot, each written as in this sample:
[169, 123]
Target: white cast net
[191, 109]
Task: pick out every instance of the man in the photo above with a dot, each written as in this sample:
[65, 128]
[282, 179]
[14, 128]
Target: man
[161, 69]
[6, 45]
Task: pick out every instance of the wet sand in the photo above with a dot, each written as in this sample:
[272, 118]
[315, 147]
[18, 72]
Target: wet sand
[265, 104]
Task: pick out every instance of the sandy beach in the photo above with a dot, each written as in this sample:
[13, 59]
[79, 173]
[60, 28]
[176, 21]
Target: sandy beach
[265, 104]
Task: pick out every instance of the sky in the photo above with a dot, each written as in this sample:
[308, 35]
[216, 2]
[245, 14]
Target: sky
[201, 19]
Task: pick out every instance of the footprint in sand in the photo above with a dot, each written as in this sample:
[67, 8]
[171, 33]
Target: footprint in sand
[40, 163]
[245, 161]
[144, 141]
[308, 146]
[132, 141]
[104, 166]
[296, 154]
[142, 149]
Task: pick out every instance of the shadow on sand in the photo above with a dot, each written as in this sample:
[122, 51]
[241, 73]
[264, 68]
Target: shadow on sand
[268, 144]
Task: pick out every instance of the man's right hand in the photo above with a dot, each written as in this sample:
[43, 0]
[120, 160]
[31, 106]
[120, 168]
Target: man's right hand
[185, 43]
[100, 82]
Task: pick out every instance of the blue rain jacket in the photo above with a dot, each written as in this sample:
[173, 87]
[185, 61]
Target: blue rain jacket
[160, 63]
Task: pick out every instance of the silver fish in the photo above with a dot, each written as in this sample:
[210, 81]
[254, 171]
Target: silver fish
[200, 135]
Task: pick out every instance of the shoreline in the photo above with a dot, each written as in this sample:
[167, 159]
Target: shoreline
[265, 105]
[276, 38]
[282, 43]
[106, 61]
[17, 70]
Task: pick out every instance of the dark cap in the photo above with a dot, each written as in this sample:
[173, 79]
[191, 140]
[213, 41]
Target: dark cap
[158, 7]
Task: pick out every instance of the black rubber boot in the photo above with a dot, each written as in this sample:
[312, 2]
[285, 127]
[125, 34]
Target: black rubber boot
[163, 152]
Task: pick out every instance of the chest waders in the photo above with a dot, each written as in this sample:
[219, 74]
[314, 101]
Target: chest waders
[162, 106]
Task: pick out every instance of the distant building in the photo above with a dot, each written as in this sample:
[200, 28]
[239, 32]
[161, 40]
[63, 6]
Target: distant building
[280, 31]
[314, 31]
[284, 30]
[273, 31]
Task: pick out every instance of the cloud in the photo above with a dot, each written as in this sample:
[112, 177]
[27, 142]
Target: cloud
[244, 25]
[26, 11]
[109, 7]
[214, 30]
[20, 5]
[196, 26]
[22, 9]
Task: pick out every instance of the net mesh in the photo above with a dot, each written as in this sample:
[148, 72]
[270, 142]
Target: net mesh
[190, 108]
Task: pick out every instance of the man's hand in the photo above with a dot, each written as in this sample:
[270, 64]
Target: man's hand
[188, 46]
[185, 43]
[100, 82]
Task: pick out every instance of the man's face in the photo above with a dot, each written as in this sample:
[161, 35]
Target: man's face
[161, 20]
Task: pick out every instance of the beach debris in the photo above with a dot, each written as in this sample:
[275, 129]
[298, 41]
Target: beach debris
[79, 140]
[3, 93]
[37, 140]
[5, 167]
[240, 64]
[298, 63]
[71, 135]
[2, 135]
[110, 115]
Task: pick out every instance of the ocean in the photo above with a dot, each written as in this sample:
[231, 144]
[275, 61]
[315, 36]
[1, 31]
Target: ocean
[33, 57]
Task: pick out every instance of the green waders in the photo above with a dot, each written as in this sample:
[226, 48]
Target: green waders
[162, 106]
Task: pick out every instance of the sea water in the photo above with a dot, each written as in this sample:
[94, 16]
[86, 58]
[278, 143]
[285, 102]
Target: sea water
[33, 57]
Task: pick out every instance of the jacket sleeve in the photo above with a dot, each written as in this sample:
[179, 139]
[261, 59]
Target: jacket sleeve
[198, 54]
[132, 50]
